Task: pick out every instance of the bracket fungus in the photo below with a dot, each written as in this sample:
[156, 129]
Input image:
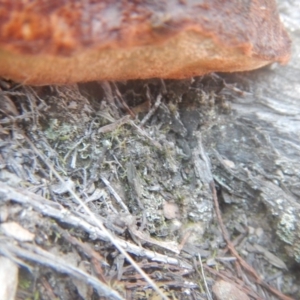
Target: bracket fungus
[67, 41]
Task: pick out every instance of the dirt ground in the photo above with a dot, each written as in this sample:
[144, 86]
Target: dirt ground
[147, 177]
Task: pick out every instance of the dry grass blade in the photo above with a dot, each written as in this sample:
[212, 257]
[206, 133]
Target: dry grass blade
[209, 297]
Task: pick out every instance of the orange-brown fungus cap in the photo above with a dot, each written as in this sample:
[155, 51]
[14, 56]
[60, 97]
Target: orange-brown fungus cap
[66, 41]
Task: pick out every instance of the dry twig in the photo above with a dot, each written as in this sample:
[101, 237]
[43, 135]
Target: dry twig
[230, 246]
[152, 110]
[115, 194]
[34, 253]
[99, 224]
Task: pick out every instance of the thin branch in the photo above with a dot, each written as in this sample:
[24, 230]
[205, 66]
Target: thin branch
[115, 194]
[48, 259]
[114, 125]
[143, 133]
[208, 177]
[152, 110]
[230, 246]
[58, 212]
[111, 238]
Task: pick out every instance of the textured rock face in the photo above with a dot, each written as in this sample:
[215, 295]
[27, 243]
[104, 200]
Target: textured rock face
[72, 41]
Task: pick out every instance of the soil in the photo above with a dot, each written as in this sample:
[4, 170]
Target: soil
[146, 178]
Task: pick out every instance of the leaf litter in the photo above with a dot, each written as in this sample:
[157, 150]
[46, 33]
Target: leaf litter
[146, 175]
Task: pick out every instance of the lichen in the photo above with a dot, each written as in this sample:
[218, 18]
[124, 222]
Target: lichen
[286, 228]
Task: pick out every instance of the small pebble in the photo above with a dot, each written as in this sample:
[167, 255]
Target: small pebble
[226, 291]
